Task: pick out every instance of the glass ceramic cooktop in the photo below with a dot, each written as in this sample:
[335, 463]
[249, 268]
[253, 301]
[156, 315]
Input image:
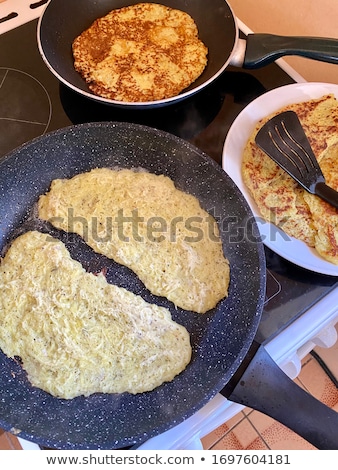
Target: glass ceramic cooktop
[33, 102]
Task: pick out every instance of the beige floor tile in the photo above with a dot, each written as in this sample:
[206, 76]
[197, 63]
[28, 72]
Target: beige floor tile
[260, 421]
[8, 441]
[279, 437]
[247, 411]
[212, 438]
[228, 442]
[245, 434]
[242, 437]
[276, 435]
[232, 422]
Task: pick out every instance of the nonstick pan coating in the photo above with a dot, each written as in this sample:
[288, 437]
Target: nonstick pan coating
[220, 338]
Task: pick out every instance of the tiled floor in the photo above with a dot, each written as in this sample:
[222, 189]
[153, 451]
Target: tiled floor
[8, 441]
[253, 430]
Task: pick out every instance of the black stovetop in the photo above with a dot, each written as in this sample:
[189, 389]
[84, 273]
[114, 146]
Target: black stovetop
[33, 102]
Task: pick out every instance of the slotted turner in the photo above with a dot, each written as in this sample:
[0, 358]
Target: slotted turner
[284, 140]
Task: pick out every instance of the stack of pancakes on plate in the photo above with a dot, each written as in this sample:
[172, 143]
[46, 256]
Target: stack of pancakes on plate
[280, 199]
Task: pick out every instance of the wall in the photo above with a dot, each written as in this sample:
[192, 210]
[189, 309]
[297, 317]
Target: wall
[294, 17]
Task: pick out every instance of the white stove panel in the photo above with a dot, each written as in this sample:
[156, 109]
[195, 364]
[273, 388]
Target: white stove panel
[14, 13]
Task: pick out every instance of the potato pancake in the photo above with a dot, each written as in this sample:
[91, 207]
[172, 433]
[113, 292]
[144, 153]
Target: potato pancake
[280, 199]
[142, 221]
[143, 52]
[75, 333]
[325, 216]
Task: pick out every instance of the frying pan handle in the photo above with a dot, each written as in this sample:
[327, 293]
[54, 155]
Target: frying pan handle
[264, 387]
[262, 49]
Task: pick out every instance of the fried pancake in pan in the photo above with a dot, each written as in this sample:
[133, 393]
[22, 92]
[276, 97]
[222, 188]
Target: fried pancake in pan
[75, 333]
[139, 53]
[142, 221]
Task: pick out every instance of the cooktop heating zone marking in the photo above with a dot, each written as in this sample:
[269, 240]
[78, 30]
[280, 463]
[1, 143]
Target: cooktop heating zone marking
[25, 108]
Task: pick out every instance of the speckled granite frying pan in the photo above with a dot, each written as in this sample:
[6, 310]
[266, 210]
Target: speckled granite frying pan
[221, 339]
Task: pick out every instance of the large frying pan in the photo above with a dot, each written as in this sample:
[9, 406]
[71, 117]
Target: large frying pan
[63, 20]
[223, 344]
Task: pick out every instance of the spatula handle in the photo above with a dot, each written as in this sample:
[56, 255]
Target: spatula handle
[328, 194]
[262, 49]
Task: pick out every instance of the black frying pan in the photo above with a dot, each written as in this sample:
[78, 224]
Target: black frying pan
[63, 20]
[225, 356]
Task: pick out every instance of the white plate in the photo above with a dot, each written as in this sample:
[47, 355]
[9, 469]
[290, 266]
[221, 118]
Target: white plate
[287, 247]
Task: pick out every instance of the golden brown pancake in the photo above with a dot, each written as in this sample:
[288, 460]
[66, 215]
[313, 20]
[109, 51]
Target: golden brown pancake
[279, 198]
[75, 333]
[141, 220]
[139, 53]
[324, 216]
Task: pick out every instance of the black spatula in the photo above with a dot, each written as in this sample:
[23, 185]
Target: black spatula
[284, 140]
